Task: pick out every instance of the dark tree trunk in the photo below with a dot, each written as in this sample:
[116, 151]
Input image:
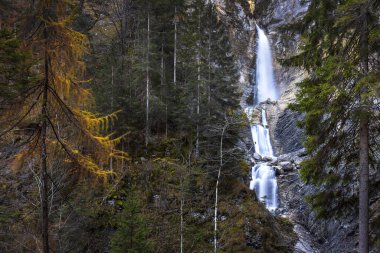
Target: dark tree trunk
[363, 190]
[123, 32]
[44, 176]
[147, 119]
[364, 139]
[80, 6]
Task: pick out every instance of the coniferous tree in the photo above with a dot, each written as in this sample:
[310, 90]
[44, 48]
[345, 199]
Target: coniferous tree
[56, 107]
[339, 99]
[132, 231]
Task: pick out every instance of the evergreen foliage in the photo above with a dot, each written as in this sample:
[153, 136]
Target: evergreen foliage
[95, 57]
[15, 66]
[132, 231]
[339, 99]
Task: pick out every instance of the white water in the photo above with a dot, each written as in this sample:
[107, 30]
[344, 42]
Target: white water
[264, 118]
[264, 183]
[266, 86]
[261, 138]
[264, 180]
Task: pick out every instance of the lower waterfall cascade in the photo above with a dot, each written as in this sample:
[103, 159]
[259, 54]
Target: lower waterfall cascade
[263, 176]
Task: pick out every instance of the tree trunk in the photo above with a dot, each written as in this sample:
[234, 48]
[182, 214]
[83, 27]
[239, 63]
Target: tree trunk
[209, 72]
[363, 190]
[164, 89]
[147, 85]
[217, 188]
[175, 47]
[44, 176]
[123, 28]
[364, 139]
[198, 87]
[81, 5]
[112, 98]
[181, 228]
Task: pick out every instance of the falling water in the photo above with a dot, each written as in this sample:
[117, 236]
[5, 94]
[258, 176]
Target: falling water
[264, 183]
[264, 180]
[261, 138]
[266, 86]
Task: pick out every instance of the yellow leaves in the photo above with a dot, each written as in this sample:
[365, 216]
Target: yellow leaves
[118, 154]
[251, 4]
[166, 160]
[91, 166]
[86, 162]
[220, 10]
[18, 161]
[96, 124]
[74, 134]
[119, 139]
[66, 52]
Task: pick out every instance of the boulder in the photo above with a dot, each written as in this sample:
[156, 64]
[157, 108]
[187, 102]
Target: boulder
[278, 170]
[257, 156]
[287, 166]
[267, 158]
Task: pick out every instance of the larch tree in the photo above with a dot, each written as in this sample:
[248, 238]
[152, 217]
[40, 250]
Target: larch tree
[341, 105]
[56, 108]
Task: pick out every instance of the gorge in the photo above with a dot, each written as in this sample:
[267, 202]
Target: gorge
[161, 126]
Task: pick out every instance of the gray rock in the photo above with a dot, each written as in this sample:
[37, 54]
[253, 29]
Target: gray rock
[292, 156]
[286, 166]
[267, 158]
[256, 156]
[278, 170]
[273, 163]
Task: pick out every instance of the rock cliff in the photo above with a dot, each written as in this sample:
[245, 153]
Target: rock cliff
[315, 235]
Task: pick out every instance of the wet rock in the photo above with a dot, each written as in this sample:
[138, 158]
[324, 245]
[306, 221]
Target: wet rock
[278, 170]
[274, 162]
[267, 158]
[257, 156]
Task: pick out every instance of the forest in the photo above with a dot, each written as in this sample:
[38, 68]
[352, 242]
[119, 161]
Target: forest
[190, 126]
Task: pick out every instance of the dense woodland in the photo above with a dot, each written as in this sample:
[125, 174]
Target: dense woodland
[120, 121]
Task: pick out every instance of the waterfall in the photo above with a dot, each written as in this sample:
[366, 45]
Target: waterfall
[261, 138]
[264, 183]
[266, 86]
[264, 180]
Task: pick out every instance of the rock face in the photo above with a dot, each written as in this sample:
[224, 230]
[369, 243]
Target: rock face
[330, 235]
[287, 136]
[313, 235]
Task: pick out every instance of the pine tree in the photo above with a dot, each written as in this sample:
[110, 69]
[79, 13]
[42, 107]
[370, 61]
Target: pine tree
[132, 231]
[339, 99]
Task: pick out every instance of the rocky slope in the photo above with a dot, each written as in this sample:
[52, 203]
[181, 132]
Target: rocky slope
[315, 235]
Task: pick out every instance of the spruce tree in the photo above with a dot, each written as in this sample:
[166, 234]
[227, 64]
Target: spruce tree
[132, 231]
[339, 100]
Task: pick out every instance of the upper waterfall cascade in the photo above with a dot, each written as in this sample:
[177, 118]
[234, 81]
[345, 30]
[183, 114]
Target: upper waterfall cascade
[265, 82]
[264, 180]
